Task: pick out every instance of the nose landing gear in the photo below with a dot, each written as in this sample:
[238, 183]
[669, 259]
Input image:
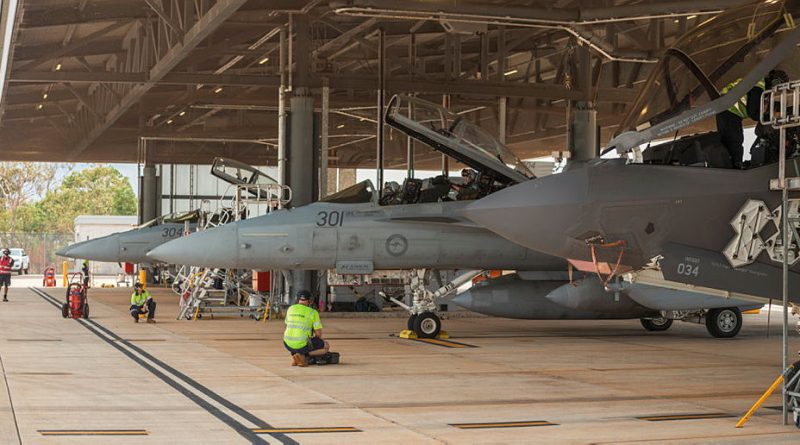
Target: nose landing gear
[424, 321]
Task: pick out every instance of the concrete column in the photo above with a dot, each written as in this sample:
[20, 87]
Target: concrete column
[148, 194]
[582, 116]
[323, 155]
[301, 153]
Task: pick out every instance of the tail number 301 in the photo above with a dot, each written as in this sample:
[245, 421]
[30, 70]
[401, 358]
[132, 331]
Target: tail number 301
[330, 219]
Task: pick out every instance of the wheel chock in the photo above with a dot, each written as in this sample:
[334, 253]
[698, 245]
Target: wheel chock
[406, 333]
[443, 334]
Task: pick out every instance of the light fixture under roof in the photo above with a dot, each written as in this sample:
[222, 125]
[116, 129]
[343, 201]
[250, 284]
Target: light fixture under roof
[58, 66]
[217, 90]
[510, 72]
[263, 61]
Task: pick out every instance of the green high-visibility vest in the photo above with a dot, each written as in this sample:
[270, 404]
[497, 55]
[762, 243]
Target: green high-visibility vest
[301, 321]
[140, 299]
[740, 107]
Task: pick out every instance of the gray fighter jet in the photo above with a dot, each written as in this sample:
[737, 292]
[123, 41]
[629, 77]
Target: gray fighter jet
[421, 227]
[678, 218]
[133, 245]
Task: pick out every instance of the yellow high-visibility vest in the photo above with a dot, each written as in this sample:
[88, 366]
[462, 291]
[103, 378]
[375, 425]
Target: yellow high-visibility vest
[740, 107]
[301, 321]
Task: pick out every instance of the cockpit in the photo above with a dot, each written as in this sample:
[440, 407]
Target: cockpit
[698, 69]
[470, 186]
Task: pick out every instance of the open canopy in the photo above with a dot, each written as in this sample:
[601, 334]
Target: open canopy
[455, 136]
[697, 68]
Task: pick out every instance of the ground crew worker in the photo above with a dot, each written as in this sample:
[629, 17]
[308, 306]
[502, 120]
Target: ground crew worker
[142, 303]
[303, 334]
[5, 272]
[729, 122]
[85, 270]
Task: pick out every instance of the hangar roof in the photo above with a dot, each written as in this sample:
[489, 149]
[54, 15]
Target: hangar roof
[89, 80]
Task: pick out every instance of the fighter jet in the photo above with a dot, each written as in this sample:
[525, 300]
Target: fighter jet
[421, 227]
[677, 217]
[133, 245]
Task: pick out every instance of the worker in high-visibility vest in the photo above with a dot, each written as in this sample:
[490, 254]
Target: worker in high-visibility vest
[729, 122]
[6, 262]
[303, 334]
[142, 303]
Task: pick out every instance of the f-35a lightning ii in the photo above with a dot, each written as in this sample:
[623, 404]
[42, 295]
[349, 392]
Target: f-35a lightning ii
[133, 245]
[676, 218]
[422, 227]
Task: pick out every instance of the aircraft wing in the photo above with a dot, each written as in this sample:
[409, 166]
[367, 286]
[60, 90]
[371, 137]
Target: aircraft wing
[704, 268]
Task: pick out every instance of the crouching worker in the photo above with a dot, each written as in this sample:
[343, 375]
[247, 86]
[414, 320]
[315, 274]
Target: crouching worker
[142, 303]
[303, 334]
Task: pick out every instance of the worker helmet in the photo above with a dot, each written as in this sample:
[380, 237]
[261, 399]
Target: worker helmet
[6, 251]
[303, 295]
[776, 77]
[138, 285]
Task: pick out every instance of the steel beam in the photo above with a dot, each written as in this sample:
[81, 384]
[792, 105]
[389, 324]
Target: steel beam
[199, 31]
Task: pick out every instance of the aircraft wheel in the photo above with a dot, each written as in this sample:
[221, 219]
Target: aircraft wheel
[427, 325]
[411, 319]
[656, 324]
[724, 323]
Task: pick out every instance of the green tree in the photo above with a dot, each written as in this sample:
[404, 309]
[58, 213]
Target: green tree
[21, 184]
[100, 190]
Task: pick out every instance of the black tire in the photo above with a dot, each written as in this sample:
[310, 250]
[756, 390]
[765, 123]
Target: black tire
[86, 310]
[656, 324]
[427, 325]
[19, 272]
[724, 323]
[65, 310]
[411, 319]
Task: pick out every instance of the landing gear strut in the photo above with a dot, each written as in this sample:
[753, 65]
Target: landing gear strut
[423, 320]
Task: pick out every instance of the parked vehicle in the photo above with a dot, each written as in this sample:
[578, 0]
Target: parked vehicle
[21, 261]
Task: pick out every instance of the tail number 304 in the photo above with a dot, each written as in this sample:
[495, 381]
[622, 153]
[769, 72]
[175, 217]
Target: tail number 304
[330, 219]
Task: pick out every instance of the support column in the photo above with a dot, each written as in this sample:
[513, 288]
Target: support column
[381, 106]
[502, 114]
[582, 138]
[301, 135]
[323, 155]
[283, 50]
[148, 194]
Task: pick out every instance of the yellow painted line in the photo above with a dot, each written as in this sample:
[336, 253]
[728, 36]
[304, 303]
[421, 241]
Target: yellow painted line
[467, 426]
[93, 432]
[445, 343]
[686, 417]
[334, 429]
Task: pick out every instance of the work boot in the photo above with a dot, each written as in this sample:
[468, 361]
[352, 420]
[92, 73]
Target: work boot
[136, 320]
[299, 360]
[5, 297]
[151, 320]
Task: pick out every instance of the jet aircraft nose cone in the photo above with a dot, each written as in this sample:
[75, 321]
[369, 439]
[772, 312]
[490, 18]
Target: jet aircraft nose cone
[216, 247]
[99, 249]
[539, 214]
